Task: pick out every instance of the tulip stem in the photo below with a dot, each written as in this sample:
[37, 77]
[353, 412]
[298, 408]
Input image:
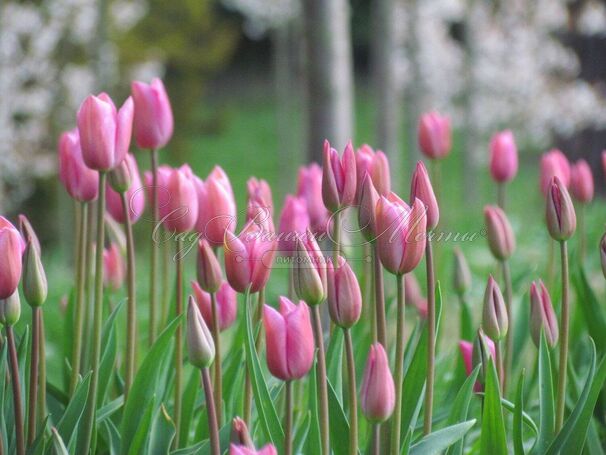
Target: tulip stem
[131, 314]
[247, 405]
[379, 297]
[91, 404]
[178, 341]
[33, 376]
[582, 233]
[353, 396]
[507, 360]
[14, 367]
[80, 293]
[291, 283]
[213, 428]
[564, 324]
[288, 418]
[336, 237]
[376, 439]
[321, 380]
[259, 318]
[465, 329]
[166, 291]
[42, 372]
[501, 195]
[218, 383]
[498, 350]
[431, 335]
[154, 249]
[399, 369]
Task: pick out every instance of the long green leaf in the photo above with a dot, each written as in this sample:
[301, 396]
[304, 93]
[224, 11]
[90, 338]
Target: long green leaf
[493, 440]
[591, 308]
[339, 426]
[460, 408]
[203, 448]
[189, 403]
[58, 445]
[518, 442]
[138, 442]
[162, 433]
[313, 440]
[334, 363]
[108, 357]
[440, 440]
[69, 421]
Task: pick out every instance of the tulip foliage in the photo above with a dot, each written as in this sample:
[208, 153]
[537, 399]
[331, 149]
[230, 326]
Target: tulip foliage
[248, 330]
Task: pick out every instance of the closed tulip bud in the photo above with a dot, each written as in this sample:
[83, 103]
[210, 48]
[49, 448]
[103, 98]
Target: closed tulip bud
[434, 135]
[294, 222]
[239, 433]
[581, 182]
[377, 394]
[11, 251]
[414, 296]
[467, 353]
[462, 274]
[289, 340]
[483, 349]
[125, 178]
[603, 254]
[542, 316]
[501, 239]
[400, 233]
[343, 294]
[554, 164]
[421, 188]
[180, 212]
[560, 214]
[119, 178]
[217, 207]
[367, 214]
[226, 300]
[10, 309]
[338, 177]
[309, 187]
[200, 344]
[80, 181]
[27, 232]
[309, 271]
[466, 350]
[376, 165]
[105, 132]
[260, 191]
[503, 157]
[235, 449]
[494, 314]
[153, 122]
[114, 267]
[209, 271]
[35, 286]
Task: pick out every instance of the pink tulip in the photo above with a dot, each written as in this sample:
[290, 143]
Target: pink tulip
[434, 135]
[503, 157]
[135, 195]
[210, 275]
[377, 394]
[377, 166]
[466, 348]
[180, 211]
[235, 449]
[309, 271]
[217, 207]
[294, 222]
[414, 296]
[289, 340]
[560, 215]
[153, 122]
[338, 177]
[114, 267]
[12, 247]
[309, 187]
[421, 188]
[104, 131]
[581, 182]
[164, 172]
[400, 233]
[80, 181]
[249, 258]
[367, 214]
[259, 206]
[542, 315]
[495, 320]
[501, 239]
[343, 294]
[226, 299]
[554, 164]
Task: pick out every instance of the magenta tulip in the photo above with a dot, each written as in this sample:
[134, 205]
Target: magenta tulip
[377, 394]
[503, 157]
[581, 182]
[80, 181]
[542, 315]
[554, 164]
[377, 166]
[114, 267]
[495, 321]
[338, 177]
[135, 195]
[226, 299]
[422, 189]
[309, 271]
[434, 135]
[210, 275]
[235, 449]
[294, 222]
[309, 187]
[217, 207]
[343, 294]
[180, 211]
[12, 248]
[560, 214]
[153, 120]
[466, 348]
[367, 215]
[499, 232]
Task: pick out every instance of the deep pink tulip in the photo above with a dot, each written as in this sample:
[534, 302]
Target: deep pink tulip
[309, 187]
[338, 177]
[309, 270]
[180, 211]
[554, 164]
[581, 182]
[294, 222]
[495, 320]
[114, 267]
[367, 214]
[343, 294]
[80, 181]
[105, 132]
[226, 299]
[235, 449]
[164, 172]
[289, 340]
[259, 206]
[153, 121]
[542, 315]
[503, 157]
[377, 394]
[499, 232]
[249, 258]
[377, 166]
[217, 213]
[421, 188]
[209, 273]
[560, 215]
[414, 296]
[12, 247]
[135, 195]
[466, 349]
[400, 233]
[434, 135]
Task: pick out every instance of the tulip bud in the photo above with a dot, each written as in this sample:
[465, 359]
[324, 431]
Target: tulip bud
[309, 271]
[343, 294]
[216, 207]
[494, 315]
[367, 215]
[338, 178]
[80, 181]
[235, 449]
[181, 210]
[501, 239]
[260, 192]
[309, 187]
[554, 164]
[200, 344]
[114, 267]
[462, 274]
[581, 182]
[603, 254]
[226, 300]
[11, 250]
[483, 349]
[27, 232]
[503, 157]
[434, 135]
[421, 188]
[10, 309]
[294, 222]
[125, 179]
[377, 394]
[35, 286]
[153, 120]
[542, 316]
[240, 434]
[119, 178]
[560, 214]
[209, 271]
[377, 166]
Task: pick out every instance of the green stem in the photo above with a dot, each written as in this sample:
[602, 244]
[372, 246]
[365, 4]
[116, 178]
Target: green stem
[431, 335]
[15, 381]
[336, 237]
[178, 342]
[218, 382]
[165, 271]
[259, 319]
[376, 439]
[582, 232]
[291, 283]
[564, 328]
[213, 428]
[379, 298]
[465, 328]
[247, 405]
[399, 369]
[499, 361]
[353, 396]
[321, 380]
[33, 377]
[91, 404]
[80, 297]
[42, 372]
[153, 250]
[508, 358]
[288, 418]
[131, 314]
[501, 195]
